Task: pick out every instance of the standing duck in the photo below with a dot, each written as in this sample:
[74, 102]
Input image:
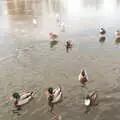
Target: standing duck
[52, 36]
[82, 77]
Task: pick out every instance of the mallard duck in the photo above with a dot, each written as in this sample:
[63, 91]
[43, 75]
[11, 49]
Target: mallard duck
[117, 33]
[52, 36]
[21, 99]
[82, 77]
[54, 95]
[102, 31]
[68, 44]
[91, 99]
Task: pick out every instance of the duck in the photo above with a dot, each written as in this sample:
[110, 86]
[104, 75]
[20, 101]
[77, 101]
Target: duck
[68, 44]
[57, 17]
[82, 77]
[62, 27]
[91, 99]
[117, 33]
[55, 93]
[52, 36]
[34, 21]
[102, 31]
[21, 99]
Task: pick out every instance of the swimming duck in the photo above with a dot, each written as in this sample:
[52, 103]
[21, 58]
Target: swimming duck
[62, 27]
[82, 77]
[117, 33]
[52, 36]
[21, 99]
[68, 44]
[57, 17]
[54, 95]
[91, 99]
[102, 31]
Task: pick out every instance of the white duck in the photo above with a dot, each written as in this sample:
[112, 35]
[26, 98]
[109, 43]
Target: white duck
[21, 99]
[82, 77]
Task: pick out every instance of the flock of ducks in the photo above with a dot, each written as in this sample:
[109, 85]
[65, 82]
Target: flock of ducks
[56, 95]
[69, 44]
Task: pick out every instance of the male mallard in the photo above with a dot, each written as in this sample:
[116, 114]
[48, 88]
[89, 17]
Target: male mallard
[102, 31]
[21, 99]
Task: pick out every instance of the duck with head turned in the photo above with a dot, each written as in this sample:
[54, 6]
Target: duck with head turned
[91, 99]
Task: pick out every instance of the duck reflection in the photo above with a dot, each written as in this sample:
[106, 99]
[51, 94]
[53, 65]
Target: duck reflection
[19, 7]
[118, 3]
[117, 40]
[102, 39]
[94, 3]
[53, 43]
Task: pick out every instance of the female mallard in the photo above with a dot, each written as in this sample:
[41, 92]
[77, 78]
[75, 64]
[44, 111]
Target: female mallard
[52, 36]
[82, 77]
[21, 99]
[91, 99]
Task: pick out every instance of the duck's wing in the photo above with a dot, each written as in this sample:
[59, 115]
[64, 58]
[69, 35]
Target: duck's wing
[57, 98]
[56, 91]
[25, 95]
[24, 101]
